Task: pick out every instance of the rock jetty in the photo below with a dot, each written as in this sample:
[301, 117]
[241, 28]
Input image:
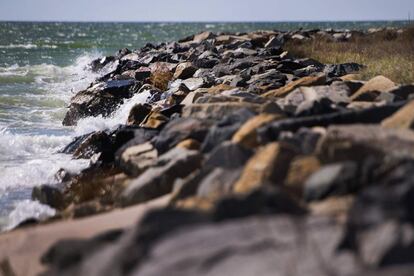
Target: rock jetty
[273, 165]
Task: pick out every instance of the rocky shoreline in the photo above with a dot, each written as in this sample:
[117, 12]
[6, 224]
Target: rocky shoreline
[273, 165]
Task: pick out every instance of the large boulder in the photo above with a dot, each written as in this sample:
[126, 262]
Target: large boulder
[99, 99]
[159, 179]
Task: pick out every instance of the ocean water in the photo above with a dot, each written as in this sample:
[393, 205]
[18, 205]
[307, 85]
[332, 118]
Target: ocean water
[43, 64]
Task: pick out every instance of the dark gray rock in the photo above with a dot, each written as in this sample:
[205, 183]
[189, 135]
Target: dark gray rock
[48, 195]
[159, 179]
[330, 180]
[178, 130]
[99, 99]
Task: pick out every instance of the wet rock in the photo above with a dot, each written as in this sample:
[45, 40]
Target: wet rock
[154, 120]
[158, 180]
[306, 81]
[403, 118]
[99, 99]
[372, 88]
[96, 142]
[268, 166]
[138, 113]
[333, 179]
[100, 63]
[48, 195]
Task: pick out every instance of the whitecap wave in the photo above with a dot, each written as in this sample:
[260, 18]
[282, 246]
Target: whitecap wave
[21, 46]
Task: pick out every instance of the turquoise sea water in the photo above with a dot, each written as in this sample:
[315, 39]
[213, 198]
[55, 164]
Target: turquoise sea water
[43, 64]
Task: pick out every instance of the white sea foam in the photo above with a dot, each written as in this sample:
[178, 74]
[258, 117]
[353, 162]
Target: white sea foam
[31, 160]
[26, 209]
[120, 116]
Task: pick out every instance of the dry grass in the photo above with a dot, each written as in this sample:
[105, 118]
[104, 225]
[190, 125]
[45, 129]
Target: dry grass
[385, 53]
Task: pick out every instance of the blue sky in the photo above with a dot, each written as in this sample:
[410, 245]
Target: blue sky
[204, 10]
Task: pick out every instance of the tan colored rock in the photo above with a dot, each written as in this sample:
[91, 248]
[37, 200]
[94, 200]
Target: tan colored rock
[191, 98]
[217, 110]
[135, 160]
[138, 113]
[203, 36]
[403, 118]
[154, 120]
[375, 85]
[351, 77]
[195, 203]
[184, 70]
[268, 165]
[247, 134]
[305, 81]
[299, 171]
[333, 206]
[219, 88]
[189, 144]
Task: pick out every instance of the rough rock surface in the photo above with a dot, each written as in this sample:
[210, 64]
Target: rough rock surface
[275, 165]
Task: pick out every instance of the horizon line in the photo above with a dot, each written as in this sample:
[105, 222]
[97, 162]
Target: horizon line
[202, 21]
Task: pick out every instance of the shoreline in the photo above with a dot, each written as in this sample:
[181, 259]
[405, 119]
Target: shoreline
[237, 132]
